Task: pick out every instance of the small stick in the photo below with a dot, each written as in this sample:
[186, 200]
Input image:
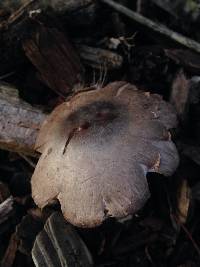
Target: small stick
[6, 209]
[188, 234]
[27, 159]
[156, 27]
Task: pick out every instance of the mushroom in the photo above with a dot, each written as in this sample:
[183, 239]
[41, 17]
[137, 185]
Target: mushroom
[97, 149]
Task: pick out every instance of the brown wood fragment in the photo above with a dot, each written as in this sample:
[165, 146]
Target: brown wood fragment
[61, 6]
[185, 58]
[183, 201]
[24, 13]
[19, 122]
[55, 59]
[25, 236]
[19, 9]
[180, 95]
[11, 251]
[100, 58]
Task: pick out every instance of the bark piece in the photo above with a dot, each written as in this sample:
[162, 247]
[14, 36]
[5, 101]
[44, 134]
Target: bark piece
[100, 58]
[11, 251]
[60, 245]
[55, 59]
[183, 201]
[180, 95]
[96, 150]
[185, 58]
[19, 122]
[25, 236]
[24, 13]
[19, 7]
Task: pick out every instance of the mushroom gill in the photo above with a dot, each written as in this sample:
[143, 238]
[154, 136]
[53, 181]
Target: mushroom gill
[97, 149]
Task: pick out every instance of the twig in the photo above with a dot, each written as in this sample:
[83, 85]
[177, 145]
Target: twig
[6, 209]
[156, 27]
[188, 234]
[7, 75]
[27, 159]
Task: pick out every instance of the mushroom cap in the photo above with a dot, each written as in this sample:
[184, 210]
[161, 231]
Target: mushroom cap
[97, 149]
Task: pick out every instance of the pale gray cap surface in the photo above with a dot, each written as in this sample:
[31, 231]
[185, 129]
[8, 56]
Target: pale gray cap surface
[97, 149]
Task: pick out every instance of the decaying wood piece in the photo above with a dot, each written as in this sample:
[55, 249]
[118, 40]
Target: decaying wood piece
[60, 245]
[19, 122]
[155, 27]
[25, 236]
[11, 251]
[24, 8]
[100, 58]
[46, 47]
[180, 95]
[185, 58]
[19, 7]
[183, 201]
[55, 59]
[63, 6]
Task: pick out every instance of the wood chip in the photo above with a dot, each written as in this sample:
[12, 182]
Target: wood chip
[60, 245]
